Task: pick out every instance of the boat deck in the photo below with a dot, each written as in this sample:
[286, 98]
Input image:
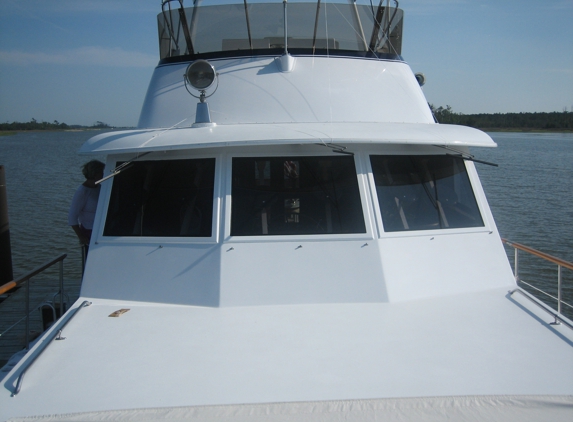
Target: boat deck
[478, 344]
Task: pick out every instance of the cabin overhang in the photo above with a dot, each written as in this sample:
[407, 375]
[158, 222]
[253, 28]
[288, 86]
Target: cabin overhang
[173, 139]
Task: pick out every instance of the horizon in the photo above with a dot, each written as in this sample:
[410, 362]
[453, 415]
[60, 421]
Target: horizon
[104, 125]
[70, 60]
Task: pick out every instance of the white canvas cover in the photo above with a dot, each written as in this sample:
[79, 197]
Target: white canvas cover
[428, 409]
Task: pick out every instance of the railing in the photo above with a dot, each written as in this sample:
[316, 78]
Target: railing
[560, 264]
[26, 279]
[56, 334]
[558, 319]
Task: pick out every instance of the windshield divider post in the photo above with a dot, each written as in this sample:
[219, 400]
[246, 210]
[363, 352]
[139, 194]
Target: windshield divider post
[186, 32]
[248, 25]
[359, 24]
[316, 27]
[376, 29]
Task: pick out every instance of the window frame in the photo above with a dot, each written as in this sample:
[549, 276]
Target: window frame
[362, 190]
[107, 186]
[477, 190]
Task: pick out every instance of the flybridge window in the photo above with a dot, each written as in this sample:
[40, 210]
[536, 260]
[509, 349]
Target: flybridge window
[295, 196]
[235, 28]
[424, 193]
[162, 198]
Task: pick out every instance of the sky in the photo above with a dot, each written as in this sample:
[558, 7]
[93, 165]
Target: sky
[83, 61]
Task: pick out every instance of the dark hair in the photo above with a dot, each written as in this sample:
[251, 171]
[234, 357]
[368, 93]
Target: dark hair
[91, 169]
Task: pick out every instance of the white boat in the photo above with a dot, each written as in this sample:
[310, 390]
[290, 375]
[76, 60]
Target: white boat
[301, 241]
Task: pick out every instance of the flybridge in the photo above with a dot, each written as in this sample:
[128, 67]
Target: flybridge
[238, 28]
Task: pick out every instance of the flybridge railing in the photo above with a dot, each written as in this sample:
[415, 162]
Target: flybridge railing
[247, 27]
[561, 263]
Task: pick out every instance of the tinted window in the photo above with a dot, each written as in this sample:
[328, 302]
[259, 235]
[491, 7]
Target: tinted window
[424, 193]
[162, 198]
[340, 26]
[295, 195]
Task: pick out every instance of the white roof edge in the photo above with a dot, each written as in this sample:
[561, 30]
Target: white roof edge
[141, 140]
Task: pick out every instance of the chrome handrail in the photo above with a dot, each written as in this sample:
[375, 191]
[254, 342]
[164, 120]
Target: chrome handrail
[561, 263]
[26, 279]
[43, 346]
[536, 301]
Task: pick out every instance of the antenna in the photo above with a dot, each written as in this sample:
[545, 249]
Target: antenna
[286, 61]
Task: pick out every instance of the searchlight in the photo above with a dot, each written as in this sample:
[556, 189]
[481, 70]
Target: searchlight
[201, 76]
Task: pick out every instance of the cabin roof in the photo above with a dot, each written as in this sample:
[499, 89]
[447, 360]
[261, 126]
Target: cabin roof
[162, 139]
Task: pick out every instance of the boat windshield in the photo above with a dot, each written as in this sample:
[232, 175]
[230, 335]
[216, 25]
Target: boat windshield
[163, 199]
[295, 196]
[424, 192]
[243, 27]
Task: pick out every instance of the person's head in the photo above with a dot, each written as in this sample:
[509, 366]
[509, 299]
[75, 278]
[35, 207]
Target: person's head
[93, 169]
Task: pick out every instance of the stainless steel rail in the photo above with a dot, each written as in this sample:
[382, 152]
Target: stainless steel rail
[16, 282]
[560, 264]
[536, 301]
[55, 334]
[26, 279]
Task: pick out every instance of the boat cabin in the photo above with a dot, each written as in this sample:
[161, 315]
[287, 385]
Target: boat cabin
[289, 234]
[308, 169]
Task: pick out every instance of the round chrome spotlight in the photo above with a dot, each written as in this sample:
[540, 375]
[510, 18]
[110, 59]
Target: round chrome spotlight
[200, 75]
[421, 78]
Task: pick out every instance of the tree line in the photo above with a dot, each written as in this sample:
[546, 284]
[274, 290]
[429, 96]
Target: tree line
[518, 121]
[55, 125]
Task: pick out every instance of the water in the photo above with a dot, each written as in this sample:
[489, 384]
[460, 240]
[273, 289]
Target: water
[530, 195]
[531, 198]
[43, 170]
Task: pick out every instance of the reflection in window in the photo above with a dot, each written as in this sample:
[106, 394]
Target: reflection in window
[295, 195]
[424, 193]
[162, 198]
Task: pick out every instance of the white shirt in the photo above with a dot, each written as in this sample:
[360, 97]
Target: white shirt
[83, 208]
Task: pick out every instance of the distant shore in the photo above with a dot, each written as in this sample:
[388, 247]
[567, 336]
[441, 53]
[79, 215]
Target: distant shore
[524, 130]
[14, 132]
[554, 122]
[486, 129]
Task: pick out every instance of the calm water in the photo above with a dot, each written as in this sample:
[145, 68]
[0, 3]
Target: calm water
[530, 193]
[43, 170]
[531, 197]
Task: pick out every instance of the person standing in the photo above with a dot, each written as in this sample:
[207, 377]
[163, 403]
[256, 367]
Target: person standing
[84, 204]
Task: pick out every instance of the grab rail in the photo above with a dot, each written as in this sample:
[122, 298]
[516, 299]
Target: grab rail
[540, 254]
[560, 263]
[26, 278]
[43, 346]
[14, 283]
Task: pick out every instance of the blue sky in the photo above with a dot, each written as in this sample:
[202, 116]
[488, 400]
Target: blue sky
[82, 61]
